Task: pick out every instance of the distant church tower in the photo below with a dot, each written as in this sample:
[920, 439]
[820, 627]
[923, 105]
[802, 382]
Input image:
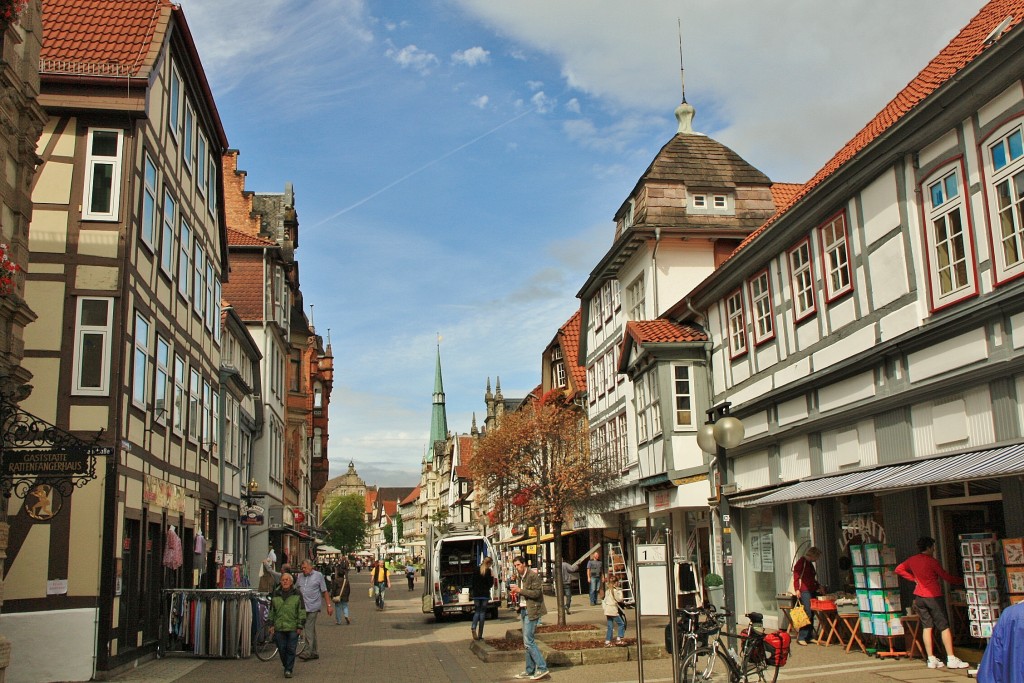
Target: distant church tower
[438, 417]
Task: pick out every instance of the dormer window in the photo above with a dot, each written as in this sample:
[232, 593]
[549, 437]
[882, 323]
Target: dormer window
[712, 203]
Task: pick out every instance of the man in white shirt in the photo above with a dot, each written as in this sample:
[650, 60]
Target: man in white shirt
[313, 589]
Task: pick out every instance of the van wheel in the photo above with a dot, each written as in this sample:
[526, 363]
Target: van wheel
[438, 615]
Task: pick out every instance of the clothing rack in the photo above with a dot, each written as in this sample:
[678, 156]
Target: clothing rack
[209, 623]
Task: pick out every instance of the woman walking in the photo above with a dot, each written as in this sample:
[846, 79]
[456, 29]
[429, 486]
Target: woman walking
[340, 591]
[287, 617]
[613, 612]
[480, 590]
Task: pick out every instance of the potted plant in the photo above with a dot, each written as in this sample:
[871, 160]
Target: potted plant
[715, 589]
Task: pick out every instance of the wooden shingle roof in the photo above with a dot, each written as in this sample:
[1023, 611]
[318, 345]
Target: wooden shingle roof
[699, 161]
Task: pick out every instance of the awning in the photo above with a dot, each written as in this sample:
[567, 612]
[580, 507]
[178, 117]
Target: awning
[511, 539]
[546, 538]
[990, 463]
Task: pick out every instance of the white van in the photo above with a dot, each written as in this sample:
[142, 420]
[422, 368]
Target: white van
[452, 560]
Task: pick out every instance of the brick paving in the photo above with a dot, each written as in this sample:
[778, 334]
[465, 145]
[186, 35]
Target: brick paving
[403, 644]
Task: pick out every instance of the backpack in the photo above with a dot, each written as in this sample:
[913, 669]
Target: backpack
[776, 648]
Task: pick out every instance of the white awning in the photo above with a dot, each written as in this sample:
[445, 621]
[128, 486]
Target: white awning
[990, 463]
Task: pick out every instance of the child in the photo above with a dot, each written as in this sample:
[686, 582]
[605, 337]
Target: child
[613, 613]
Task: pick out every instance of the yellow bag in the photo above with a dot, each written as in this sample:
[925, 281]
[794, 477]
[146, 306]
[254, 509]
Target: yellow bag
[798, 616]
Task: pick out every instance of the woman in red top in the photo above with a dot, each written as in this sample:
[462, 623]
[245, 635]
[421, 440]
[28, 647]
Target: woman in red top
[805, 585]
[924, 570]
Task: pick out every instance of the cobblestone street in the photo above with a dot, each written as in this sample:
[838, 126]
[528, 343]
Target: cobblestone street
[402, 643]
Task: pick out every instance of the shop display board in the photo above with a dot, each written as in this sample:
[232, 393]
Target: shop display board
[1013, 561]
[876, 583]
[981, 568]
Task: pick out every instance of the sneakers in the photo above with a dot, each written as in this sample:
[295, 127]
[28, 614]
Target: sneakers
[954, 662]
[523, 675]
[607, 643]
[540, 675]
[936, 663]
[287, 674]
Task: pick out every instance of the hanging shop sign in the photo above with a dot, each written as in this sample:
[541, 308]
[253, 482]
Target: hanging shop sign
[41, 461]
[163, 494]
[253, 515]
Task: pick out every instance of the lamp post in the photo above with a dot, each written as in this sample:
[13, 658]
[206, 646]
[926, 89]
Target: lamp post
[721, 432]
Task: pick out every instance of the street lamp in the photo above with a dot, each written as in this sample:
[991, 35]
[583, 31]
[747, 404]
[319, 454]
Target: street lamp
[721, 432]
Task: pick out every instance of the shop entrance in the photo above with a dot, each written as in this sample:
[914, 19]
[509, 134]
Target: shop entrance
[964, 508]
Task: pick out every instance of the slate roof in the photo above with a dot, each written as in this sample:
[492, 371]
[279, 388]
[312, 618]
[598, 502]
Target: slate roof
[964, 48]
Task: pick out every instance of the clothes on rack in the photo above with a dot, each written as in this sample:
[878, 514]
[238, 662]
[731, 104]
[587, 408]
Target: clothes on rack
[210, 623]
[172, 549]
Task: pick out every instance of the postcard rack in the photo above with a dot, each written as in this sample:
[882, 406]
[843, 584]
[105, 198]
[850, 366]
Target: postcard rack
[214, 623]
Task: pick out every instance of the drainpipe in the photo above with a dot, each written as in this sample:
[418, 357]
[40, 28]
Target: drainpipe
[654, 268]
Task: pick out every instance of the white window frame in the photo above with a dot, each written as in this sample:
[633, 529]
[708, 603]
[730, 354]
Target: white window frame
[736, 319]
[174, 103]
[212, 307]
[682, 398]
[92, 162]
[642, 402]
[199, 280]
[162, 380]
[105, 334]
[188, 145]
[211, 179]
[760, 289]
[140, 361]
[184, 259]
[835, 252]
[699, 201]
[207, 422]
[169, 244]
[150, 221]
[636, 294]
[609, 371]
[180, 399]
[1004, 165]
[216, 309]
[195, 401]
[801, 274]
[623, 440]
[720, 202]
[201, 165]
[948, 236]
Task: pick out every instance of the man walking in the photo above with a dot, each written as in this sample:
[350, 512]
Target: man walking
[313, 588]
[569, 572]
[528, 595]
[925, 571]
[594, 576]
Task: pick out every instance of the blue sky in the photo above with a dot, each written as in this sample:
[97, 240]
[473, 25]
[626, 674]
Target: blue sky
[457, 163]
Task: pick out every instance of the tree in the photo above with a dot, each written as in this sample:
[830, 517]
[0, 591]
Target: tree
[345, 522]
[536, 464]
[439, 519]
[399, 526]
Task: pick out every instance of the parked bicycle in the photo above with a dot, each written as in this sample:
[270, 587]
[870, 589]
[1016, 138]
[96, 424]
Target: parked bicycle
[760, 658]
[263, 643]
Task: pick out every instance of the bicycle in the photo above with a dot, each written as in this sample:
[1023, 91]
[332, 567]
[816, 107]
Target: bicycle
[750, 664]
[263, 644]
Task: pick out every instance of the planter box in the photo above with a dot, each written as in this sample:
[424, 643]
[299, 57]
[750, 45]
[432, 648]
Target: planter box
[490, 654]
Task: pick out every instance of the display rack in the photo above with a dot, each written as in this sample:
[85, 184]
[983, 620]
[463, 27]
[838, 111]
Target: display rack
[210, 623]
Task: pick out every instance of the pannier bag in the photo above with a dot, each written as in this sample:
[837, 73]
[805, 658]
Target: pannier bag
[776, 648]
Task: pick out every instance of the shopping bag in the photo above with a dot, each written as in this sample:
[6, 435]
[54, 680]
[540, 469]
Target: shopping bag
[798, 617]
[369, 593]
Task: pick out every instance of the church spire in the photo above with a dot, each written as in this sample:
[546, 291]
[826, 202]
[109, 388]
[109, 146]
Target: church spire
[438, 418]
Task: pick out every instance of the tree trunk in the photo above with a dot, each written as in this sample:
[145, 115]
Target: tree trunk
[556, 529]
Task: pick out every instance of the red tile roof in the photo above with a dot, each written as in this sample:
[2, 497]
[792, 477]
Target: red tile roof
[237, 238]
[569, 340]
[465, 450]
[964, 48]
[784, 194]
[371, 499]
[389, 507]
[412, 497]
[662, 331]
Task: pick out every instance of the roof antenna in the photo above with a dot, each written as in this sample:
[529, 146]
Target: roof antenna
[685, 111]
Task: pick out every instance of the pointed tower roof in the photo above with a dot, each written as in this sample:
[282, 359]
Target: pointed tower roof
[438, 418]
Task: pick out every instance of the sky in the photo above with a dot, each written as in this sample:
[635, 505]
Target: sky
[457, 164]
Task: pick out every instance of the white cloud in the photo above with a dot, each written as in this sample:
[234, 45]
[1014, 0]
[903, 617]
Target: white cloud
[542, 103]
[471, 57]
[480, 102]
[534, 85]
[573, 105]
[412, 57]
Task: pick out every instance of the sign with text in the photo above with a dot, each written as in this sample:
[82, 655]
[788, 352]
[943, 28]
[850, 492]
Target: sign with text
[164, 494]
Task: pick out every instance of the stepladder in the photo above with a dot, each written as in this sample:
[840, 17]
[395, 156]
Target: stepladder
[617, 566]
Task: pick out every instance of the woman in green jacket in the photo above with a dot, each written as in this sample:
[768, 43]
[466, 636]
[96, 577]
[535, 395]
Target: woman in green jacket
[287, 617]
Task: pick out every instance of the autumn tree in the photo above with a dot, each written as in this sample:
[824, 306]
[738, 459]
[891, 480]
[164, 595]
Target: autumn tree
[536, 464]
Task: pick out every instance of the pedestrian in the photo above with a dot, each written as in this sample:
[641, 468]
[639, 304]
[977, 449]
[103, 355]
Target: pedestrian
[359, 566]
[1003, 661]
[381, 578]
[287, 617]
[925, 571]
[410, 574]
[806, 586]
[528, 595]
[314, 593]
[614, 614]
[480, 585]
[594, 576]
[341, 589]
[569, 574]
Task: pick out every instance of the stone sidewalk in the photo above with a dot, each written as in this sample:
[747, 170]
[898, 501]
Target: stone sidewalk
[403, 644]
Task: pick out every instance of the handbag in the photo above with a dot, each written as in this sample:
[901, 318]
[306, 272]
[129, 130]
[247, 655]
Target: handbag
[798, 617]
[336, 598]
[369, 593]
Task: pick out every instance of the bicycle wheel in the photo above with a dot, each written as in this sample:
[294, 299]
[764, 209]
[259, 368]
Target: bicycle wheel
[697, 666]
[263, 645]
[755, 667]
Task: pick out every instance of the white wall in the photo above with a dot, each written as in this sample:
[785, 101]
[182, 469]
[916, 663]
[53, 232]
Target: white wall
[50, 646]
